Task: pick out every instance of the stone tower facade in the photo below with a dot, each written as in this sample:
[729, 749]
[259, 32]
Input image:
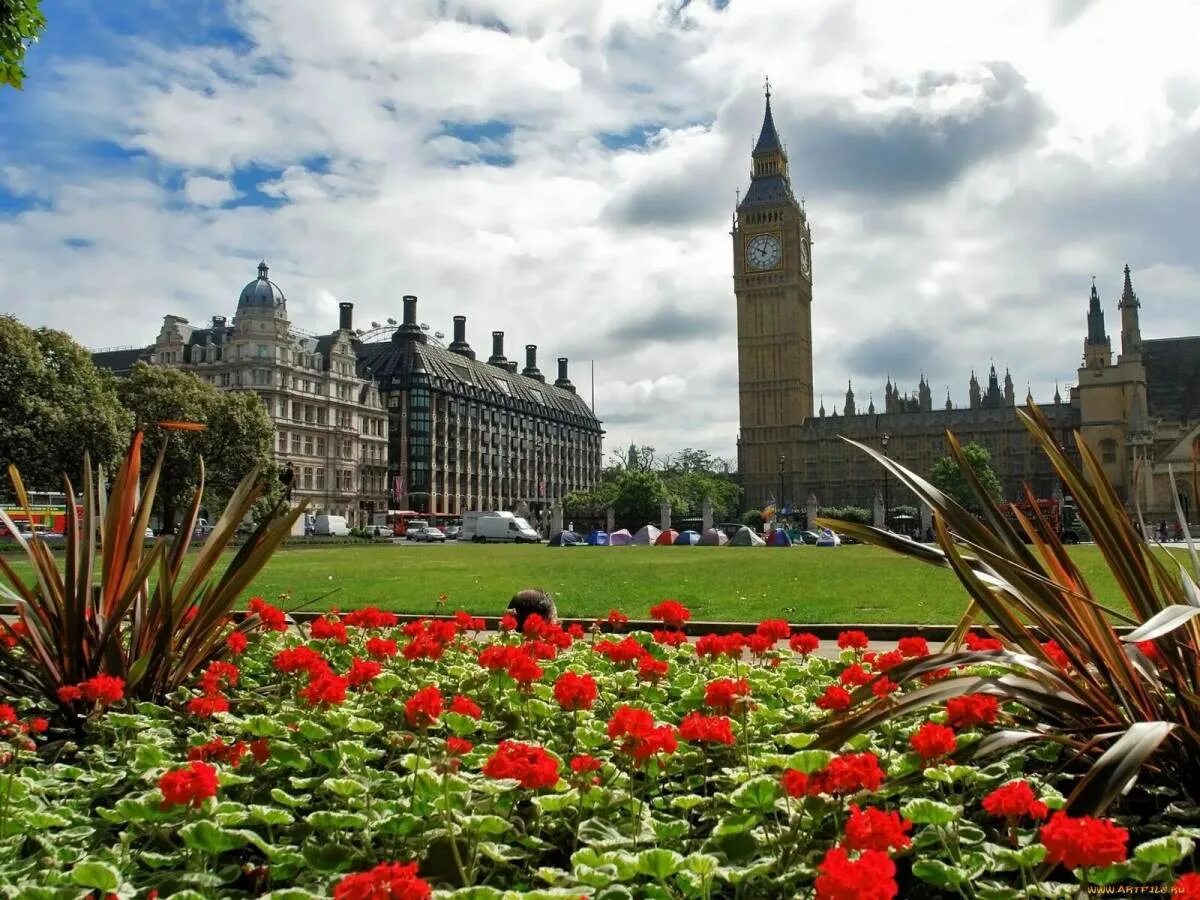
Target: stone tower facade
[772, 281]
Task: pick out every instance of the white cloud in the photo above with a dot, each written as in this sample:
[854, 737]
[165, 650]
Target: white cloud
[966, 168]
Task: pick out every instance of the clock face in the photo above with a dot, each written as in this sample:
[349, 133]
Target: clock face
[763, 251]
[804, 257]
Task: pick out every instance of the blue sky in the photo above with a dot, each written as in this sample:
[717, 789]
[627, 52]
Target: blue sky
[566, 173]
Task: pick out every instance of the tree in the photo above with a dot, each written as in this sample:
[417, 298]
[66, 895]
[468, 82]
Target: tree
[948, 478]
[55, 405]
[21, 21]
[238, 434]
[637, 498]
[753, 519]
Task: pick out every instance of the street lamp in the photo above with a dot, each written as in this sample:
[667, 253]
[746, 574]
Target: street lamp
[884, 440]
[779, 508]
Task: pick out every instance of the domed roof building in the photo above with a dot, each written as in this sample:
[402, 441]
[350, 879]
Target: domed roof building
[262, 293]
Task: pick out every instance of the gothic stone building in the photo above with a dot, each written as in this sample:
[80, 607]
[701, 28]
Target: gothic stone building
[401, 423]
[1138, 414]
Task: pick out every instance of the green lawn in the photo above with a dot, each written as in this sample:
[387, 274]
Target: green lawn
[804, 584]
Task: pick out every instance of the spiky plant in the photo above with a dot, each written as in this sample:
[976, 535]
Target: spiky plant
[1123, 709]
[119, 608]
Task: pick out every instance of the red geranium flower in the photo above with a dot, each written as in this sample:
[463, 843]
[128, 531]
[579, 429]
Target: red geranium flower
[874, 829]
[574, 691]
[932, 741]
[387, 881]
[1186, 887]
[260, 749]
[804, 643]
[465, 706]
[528, 764]
[870, 877]
[585, 763]
[1083, 842]
[508, 622]
[103, 689]
[189, 786]
[638, 736]
[847, 774]
[457, 746]
[381, 648]
[759, 644]
[911, 647]
[217, 749]
[271, 617]
[38, 725]
[884, 686]
[854, 675]
[208, 705]
[300, 659]
[464, 621]
[523, 668]
[362, 671]
[69, 693]
[616, 618]
[236, 642]
[625, 652]
[370, 617]
[697, 728]
[669, 638]
[721, 645]
[671, 613]
[885, 661]
[970, 710]
[424, 707]
[329, 629]
[424, 646]
[853, 640]
[977, 643]
[775, 629]
[1151, 652]
[835, 698]
[495, 656]
[218, 676]
[726, 694]
[325, 689]
[1055, 651]
[794, 782]
[1014, 800]
[8, 715]
[651, 669]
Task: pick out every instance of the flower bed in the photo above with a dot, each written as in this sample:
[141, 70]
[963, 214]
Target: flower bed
[365, 760]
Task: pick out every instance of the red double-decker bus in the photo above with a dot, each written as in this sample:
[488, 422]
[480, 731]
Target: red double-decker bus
[47, 512]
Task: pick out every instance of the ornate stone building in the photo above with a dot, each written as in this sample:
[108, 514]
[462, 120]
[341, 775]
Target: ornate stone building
[1139, 414]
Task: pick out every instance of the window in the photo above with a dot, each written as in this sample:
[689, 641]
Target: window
[1108, 450]
[308, 445]
[320, 479]
[262, 351]
[307, 478]
[320, 446]
[295, 444]
[283, 442]
[503, 386]
[224, 379]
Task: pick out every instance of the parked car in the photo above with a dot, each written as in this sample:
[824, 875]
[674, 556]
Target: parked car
[430, 534]
[452, 532]
[149, 535]
[415, 527]
[39, 533]
[807, 537]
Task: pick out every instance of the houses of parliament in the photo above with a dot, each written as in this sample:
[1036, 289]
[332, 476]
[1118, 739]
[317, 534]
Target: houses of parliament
[1139, 411]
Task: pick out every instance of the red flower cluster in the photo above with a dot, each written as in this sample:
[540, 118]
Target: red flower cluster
[207, 705]
[912, 647]
[1014, 800]
[464, 621]
[971, 710]
[218, 676]
[715, 645]
[697, 728]
[847, 774]
[727, 695]
[424, 708]
[326, 628]
[1055, 651]
[804, 643]
[932, 741]
[626, 652]
[217, 749]
[300, 659]
[884, 686]
[853, 640]
[854, 675]
[874, 829]
[528, 764]
[884, 661]
[638, 736]
[1084, 842]
[669, 638]
[325, 689]
[773, 629]
[429, 638]
[671, 613]
[362, 672]
[1186, 887]
[381, 648]
[465, 706]
[370, 617]
[523, 668]
[978, 643]
[872, 876]
[103, 689]
[457, 746]
[188, 787]
[1151, 652]
[271, 617]
[236, 642]
[387, 881]
[835, 699]
[574, 691]
[508, 622]
[10, 635]
[651, 669]
[616, 619]
[584, 763]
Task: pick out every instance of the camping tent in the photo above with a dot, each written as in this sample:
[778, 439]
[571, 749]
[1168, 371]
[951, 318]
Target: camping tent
[687, 538]
[714, 537]
[745, 537]
[667, 538]
[597, 539]
[826, 538]
[647, 534]
[779, 538]
[620, 538]
[565, 539]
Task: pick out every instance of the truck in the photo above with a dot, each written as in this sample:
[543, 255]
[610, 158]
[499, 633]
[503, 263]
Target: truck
[1062, 517]
[332, 525]
[503, 527]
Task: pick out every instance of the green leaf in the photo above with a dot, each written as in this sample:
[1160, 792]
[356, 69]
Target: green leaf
[98, 875]
[929, 812]
[757, 794]
[735, 824]
[795, 740]
[264, 726]
[553, 803]
[937, 873]
[149, 756]
[1164, 851]
[358, 725]
[271, 815]
[281, 796]
[211, 838]
[809, 761]
[688, 801]
[659, 864]
[313, 731]
[702, 863]
[335, 821]
[485, 825]
[345, 787]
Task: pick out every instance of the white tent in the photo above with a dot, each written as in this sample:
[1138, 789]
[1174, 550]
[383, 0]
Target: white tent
[746, 537]
[647, 534]
[620, 538]
[826, 538]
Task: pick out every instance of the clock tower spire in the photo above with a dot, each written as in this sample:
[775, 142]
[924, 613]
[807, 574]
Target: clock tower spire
[772, 284]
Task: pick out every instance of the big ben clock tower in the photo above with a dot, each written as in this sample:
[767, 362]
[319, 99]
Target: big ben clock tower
[772, 281]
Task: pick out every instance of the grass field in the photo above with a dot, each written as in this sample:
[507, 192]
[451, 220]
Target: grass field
[803, 584]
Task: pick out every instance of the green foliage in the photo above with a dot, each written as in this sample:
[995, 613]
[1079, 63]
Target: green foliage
[753, 519]
[947, 476]
[119, 608]
[237, 436]
[857, 514]
[55, 406]
[21, 22]
[637, 498]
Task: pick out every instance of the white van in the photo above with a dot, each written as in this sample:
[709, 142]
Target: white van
[332, 525]
[505, 528]
[470, 525]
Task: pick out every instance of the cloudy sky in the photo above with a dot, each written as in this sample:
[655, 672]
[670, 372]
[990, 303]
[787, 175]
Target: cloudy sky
[566, 171]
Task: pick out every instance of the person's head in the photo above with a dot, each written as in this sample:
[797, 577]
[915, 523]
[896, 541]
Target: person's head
[530, 601]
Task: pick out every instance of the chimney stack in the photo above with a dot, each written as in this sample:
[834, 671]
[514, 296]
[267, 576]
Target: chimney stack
[497, 357]
[531, 369]
[346, 316]
[409, 330]
[218, 321]
[460, 345]
[563, 381]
